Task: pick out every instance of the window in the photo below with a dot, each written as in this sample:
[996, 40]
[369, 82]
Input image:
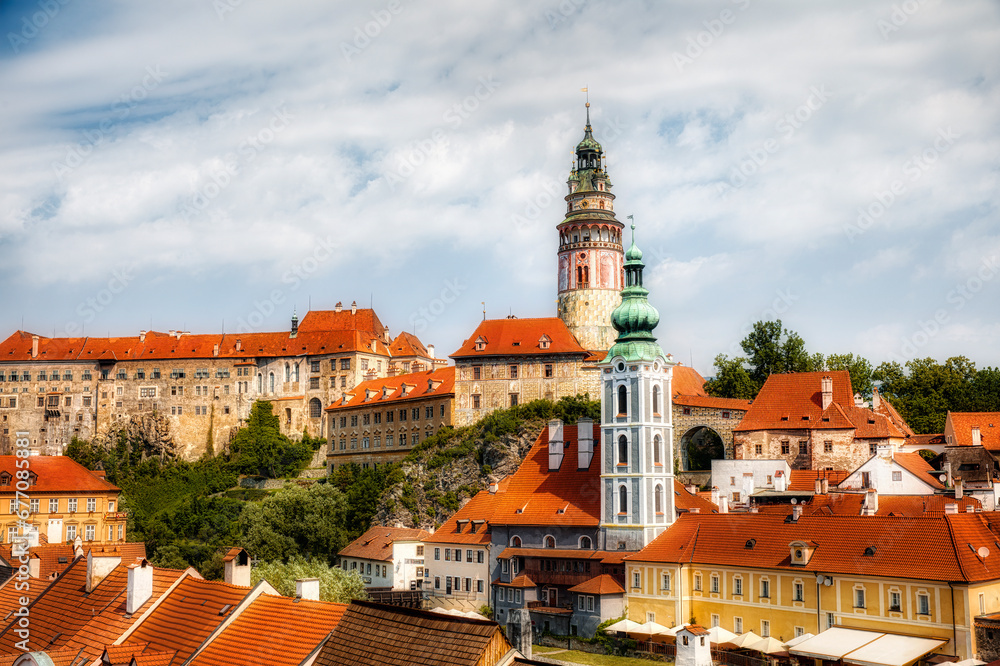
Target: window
[758, 449]
[70, 532]
[504, 566]
[738, 625]
[447, 554]
[479, 586]
[636, 579]
[33, 505]
[354, 420]
[437, 553]
[475, 402]
[797, 592]
[91, 504]
[725, 415]
[765, 589]
[859, 598]
[622, 500]
[982, 604]
[658, 499]
[785, 447]
[402, 439]
[714, 584]
[697, 582]
[72, 505]
[622, 400]
[665, 582]
[111, 506]
[765, 628]
[550, 542]
[345, 364]
[548, 370]
[715, 620]
[480, 558]
[622, 450]
[477, 372]
[897, 476]
[828, 447]
[53, 506]
[923, 604]
[513, 399]
[656, 450]
[799, 631]
[402, 415]
[513, 372]
[656, 400]
[895, 601]
[89, 532]
[429, 412]
[585, 543]
[437, 582]
[803, 447]
[468, 555]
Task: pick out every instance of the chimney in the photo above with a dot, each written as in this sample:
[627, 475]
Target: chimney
[779, 481]
[142, 336]
[585, 449]
[691, 488]
[237, 567]
[518, 630]
[295, 324]
[715, 495]
[239, 345]
[970, 508]
[140, 585]
[78, 546]
[827, 386]
[819, 486]
[753, 509]
[723, 504]
[430, 351]
[32, 536]
[959, 488]
[876, 398]
[354, 307]
[307, 588]
[977, 439]
[694, 509]
[859, 401]
[947, 469]
[494, 487]
[99, 565]
[796, 511]
[215, 349]
[338, 307]
[34, 346]
[34, 565]
[884, 451]
[870, 506]
[555, 444]
[386, 338]
[825, 484]
[951, 508]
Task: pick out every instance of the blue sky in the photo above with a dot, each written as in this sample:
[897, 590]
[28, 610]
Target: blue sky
[202, 163]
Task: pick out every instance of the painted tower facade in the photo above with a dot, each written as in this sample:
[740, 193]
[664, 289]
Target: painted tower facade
[590, 249]
[637, 475]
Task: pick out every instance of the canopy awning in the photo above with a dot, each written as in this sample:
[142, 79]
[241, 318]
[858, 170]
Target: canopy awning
[866, 648]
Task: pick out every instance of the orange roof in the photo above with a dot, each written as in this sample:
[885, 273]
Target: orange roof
[942, 547]
[603, 556]
[520, 337]
[521, 581]
[687, 382]
[849, 504]
[794, 401]
[10, 596]
[567, 496]
[272, 630]
[734, 404]
[390, 389]
[603, 584]
[470, 524]
[154, 659]
[917, 441]
[407, 344]
[376, 543]
[804, 480]
[987, 422]
[364, 320]
[56, 557]
[915, 464]
[685, 501]
[696, 629]
[187, 616]
[56, 474]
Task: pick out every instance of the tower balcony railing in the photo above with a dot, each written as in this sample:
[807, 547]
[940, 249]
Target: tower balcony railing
[590, 244]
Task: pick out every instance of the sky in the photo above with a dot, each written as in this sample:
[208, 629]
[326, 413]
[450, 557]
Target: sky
[210, 165]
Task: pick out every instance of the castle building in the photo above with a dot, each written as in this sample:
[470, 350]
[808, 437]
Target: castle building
[185, 391]
[590, 249]
[637, 474]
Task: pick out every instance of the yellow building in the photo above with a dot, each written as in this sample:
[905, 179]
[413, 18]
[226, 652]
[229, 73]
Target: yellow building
[781, 576]
[62, 498]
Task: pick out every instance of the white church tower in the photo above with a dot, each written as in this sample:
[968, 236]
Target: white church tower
[637, 470]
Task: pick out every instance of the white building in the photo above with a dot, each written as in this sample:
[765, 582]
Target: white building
[737, 480]
[388, 558]
[894, 474]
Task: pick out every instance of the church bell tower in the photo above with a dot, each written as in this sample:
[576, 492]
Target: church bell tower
[590, 249]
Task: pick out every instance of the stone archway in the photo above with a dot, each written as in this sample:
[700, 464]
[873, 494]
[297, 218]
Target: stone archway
[699, 447]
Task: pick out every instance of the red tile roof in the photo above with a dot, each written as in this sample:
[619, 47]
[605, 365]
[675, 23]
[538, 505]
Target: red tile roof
[476, 514]
[520, 337]
[685, 501]
[794, 401]
[154, 659]
[603, 584]
[407, 344]
[364, 320]
[56, 474]
[603, 556]
[687, 382]
[567, 496]
[10, 596]
[915, 464]
[919, 441]
[390, 389]
[522, 580]
[941, 548]
[804, 480]
[849, 504]
[733, 404]
[273, 630]
[987, 422]
[376, 543]
[56, 557]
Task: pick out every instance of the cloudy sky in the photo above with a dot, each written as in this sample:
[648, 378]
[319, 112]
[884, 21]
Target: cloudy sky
[205, 163]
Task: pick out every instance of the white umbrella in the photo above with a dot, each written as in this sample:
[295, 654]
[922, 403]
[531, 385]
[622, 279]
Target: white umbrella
[672, 631]
[626, 626]
[969, 662]
[745, 640]
[804, 637]
[720, 635]
[650, 629]
[768, 645]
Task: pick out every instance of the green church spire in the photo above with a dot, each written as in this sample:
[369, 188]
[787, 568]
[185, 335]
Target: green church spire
[635, 318]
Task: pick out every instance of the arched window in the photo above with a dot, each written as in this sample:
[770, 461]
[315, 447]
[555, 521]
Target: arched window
[658, 498]
[622, 400]
[656, 400]
[260, 383]
[288, 373]
[296, 372]
[622, 450]
[550, 541]
[656, 451]
[315, 408]
[515, 541]
[586, 543]
[271, 380]
[622, 499]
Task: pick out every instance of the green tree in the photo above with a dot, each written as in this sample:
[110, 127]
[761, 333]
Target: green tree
[924, 391]
[296, 521]
[858, 367]
[335, 584]
[255, 448]
[772, 349]
[731, 379]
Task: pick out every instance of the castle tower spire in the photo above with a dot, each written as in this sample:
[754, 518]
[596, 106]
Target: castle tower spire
[590, 248]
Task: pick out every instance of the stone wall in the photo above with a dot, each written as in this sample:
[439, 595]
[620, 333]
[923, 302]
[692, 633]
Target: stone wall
[805, 448]
[688, 418]
[587, 314]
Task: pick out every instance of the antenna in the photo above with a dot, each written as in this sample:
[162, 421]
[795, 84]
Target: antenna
[484, 310]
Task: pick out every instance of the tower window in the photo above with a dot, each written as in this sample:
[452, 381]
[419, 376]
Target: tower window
[656, 400]
[622, 400]
[656, 451]
[622, 500]
[622, 450]
[658, 499]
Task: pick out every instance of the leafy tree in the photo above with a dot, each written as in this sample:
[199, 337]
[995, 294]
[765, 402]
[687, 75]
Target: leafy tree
[924, 391]
[858, 367]
[169, 557]
[362, 489]
[335, 584]
[771, 349]
[256, 446]
[731, 380]
[296, 521]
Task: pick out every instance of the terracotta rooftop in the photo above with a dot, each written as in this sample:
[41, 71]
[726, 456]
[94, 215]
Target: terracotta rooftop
[989, 428]
[849, 504]
[56, 557]
[372, 634]
[916, 465]
[273, 630]
[563, 554]
[732, 404]
[56, 474]
[687, 382]
[426, 384]
[470, 524]
[376, 543]
[603, 584]
[523, 580]
[942, 548]
[364, 320]
[804, 480]
[520, 337]
[407, 344]
[794, 401]
[10, 596]
[685, 501]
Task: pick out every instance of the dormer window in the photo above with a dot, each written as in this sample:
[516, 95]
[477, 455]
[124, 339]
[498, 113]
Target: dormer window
[480, 343]
[5, 479]
[801, 552]
[544, 342]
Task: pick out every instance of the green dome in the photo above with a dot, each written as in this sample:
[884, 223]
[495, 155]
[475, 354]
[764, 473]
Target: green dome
[633, 253]
[588, 143]
[635, 318]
